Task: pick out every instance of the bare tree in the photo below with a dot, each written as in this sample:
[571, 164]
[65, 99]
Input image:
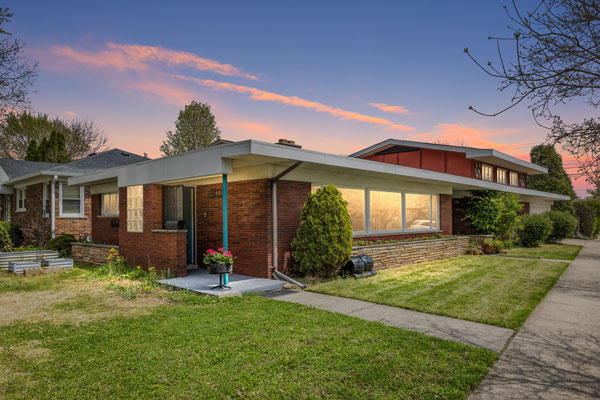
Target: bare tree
[556, 60]
[16, 74]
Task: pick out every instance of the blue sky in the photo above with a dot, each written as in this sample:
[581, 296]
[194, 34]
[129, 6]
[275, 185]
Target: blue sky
[307, 71]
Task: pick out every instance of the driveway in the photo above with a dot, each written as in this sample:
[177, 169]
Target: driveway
[556, 353]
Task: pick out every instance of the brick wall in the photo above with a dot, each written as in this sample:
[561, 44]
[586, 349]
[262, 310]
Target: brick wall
[291, 197]
[164, 250]
[90, 254]
[446, 213]
[31, 221]
[249, 227]
[102, 230]
[402, 253]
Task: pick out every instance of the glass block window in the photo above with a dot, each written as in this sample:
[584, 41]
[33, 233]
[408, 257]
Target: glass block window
[135, 208]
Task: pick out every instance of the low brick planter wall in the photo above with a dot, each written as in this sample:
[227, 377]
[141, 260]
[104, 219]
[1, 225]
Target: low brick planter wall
[91, 254]
[401, 253]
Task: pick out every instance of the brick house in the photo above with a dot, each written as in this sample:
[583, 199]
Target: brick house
[37, 196]
[248, 195]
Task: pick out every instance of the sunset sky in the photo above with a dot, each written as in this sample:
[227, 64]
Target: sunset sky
[333, 76]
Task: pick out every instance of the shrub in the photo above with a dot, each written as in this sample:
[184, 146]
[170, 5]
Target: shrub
[596, 206]
[323, 242]
[563, 225]
[492, 212]
[15, 232]
[5, 242]
[586, 214]
[536, 229]
[62, 244]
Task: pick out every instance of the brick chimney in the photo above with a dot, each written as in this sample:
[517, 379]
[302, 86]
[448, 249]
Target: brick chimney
[290, 143]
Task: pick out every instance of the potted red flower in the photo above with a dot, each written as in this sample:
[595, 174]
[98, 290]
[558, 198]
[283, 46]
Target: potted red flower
[219, 261]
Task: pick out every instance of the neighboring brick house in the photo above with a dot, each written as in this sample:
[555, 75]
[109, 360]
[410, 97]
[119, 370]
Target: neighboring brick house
[264, 187]
[37, 196]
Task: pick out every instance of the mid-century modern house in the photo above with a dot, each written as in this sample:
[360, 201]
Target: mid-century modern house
[37, 196]
[249, 195]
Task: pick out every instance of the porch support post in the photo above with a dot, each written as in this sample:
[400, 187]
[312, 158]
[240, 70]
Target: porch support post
[225, 233]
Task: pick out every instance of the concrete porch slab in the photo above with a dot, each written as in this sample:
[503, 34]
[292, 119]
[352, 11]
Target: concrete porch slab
[200, 281]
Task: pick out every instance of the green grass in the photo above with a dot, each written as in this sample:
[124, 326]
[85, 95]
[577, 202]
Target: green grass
[248, 347]
[554, 251]
[494, 290]
[21, 283]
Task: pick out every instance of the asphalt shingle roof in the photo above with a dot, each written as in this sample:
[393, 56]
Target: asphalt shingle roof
[15, 168]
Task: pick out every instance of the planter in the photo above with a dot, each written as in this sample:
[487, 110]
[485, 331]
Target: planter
[220, 268]
[489, 249]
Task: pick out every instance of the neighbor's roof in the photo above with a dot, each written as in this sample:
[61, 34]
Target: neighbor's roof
[22, 170]
[10, 169]
[217, 160]
[484, 155]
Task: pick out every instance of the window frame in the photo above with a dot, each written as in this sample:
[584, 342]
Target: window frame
[102, 213]
[498, 170]
[81, 213]
[516, 175]
[403, 231]
[45, 199]
[483, 167]
[20, 195]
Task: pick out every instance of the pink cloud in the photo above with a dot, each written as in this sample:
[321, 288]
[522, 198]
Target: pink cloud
[71, 114]
[138, 58]
[392, 109]
[263, 95]
[166, 91]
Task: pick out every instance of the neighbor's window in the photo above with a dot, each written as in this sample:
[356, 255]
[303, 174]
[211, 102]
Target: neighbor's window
[46, 199]
[501, 176]
[71, 200]
[514, 178]
[356, 207]
[385, 211]
[20, 199]
[135, 208]
[487, 172]
[110, 204]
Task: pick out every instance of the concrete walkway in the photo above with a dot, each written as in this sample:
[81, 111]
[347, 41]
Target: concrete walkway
[472, 333]
[556, 353]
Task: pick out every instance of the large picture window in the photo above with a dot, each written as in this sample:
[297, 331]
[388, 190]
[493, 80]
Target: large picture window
[70, 200]
[385, 211]
[356, 207]
[376, 211]
[135, 208]
[110, 204]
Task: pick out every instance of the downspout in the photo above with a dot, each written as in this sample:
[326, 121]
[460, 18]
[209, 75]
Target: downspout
[53, 206]
[276, 273]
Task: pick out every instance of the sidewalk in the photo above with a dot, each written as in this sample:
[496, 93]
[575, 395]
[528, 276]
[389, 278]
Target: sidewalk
[556, 353]
[472, 333]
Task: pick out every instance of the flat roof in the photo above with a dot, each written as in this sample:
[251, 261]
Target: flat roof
[218, 160]
[484, 155]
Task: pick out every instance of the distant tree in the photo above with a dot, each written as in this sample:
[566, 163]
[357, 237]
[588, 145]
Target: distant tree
[556, 60]
[49, 150]
[16, 74]
[32, 151]
[556, 180]
[594, 194]
[195, 129]
[19, 128]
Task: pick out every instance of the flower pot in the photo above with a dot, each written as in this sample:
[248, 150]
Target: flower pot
[489, 249]
[220, 268]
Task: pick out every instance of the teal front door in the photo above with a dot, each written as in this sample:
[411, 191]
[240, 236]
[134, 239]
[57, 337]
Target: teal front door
[188, 217]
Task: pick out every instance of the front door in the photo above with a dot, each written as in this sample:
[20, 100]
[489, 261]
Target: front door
[188, 217]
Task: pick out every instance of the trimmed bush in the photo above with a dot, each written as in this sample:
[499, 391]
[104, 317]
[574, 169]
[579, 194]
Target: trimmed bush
[563, 225]
[323, 243]
[586, 214]
[492, 212]
[5, 242]
[62, 244]
[536, 229]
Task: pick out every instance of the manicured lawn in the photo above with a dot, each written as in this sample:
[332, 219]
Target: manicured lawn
[248, 347]
[493, 290]
[554, 251]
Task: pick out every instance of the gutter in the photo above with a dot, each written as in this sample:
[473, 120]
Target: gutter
[275, 271]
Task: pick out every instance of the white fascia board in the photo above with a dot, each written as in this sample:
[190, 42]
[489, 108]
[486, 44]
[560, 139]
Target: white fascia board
[483, 153]
[25, 180]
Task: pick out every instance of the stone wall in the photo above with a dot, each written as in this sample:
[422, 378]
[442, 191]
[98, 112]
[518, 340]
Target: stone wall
[91, 254]
[402, 253]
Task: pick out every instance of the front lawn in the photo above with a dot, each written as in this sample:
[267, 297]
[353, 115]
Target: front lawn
[554, 251]
[494, 290]
[79, 340]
